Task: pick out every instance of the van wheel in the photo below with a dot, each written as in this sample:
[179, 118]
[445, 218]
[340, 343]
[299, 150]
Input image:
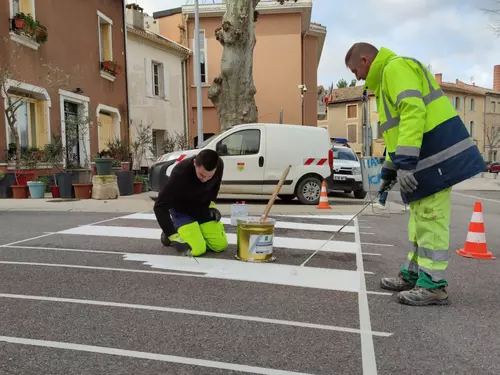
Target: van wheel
[360, 194]
[309, 190]
[164, 239]
[286, 198]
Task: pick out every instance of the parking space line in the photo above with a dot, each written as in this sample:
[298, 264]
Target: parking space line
[278, 224]
[367, 347]
[376, 244]
[147, 355]
[155, 234]
[192, 312]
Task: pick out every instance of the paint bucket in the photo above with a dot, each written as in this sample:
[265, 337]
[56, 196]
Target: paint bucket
[255, 240]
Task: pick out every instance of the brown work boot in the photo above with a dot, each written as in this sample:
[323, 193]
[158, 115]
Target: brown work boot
[396, 284]
[419, 296]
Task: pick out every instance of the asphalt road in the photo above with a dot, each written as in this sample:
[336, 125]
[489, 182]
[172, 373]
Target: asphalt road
[99, 294]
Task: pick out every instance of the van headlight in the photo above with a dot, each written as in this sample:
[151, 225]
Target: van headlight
[356, 170]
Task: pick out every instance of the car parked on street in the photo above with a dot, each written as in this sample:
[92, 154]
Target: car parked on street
[346, 170]
[493, 167]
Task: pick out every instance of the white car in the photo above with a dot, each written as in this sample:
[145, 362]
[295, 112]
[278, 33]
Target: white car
[255, 157]
[346, 172]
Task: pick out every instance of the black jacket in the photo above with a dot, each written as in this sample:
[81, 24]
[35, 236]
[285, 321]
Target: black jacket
[185, 193]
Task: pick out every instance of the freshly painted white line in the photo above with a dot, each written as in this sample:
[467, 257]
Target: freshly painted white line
[192, 312]
[87, 250]
[475, 197]
[319, 216]
[52, 233]
[146, 355]
[64, 249]
[154, 234]
[375, 244]
[269, 273]
[374, 254]
[278, 224]
[99, 268]
[367, 348]
[48, 232]
[380, 293]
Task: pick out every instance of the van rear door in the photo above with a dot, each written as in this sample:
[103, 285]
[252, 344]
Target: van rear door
[243, 154]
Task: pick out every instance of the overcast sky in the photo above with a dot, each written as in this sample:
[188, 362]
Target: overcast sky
[451, 35]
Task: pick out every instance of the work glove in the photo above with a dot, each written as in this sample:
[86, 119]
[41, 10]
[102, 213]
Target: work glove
[215, 214]
[388, 177]
[407, 181]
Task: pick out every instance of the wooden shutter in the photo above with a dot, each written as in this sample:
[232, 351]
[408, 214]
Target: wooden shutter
[106, 130]
[165, 81]
[148, 69]
[106, 42]
[41, 120]
[351, 133]
[26, 7]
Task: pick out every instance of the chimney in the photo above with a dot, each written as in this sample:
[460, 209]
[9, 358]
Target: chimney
[439, 77]
[135, 16]
[496, 78]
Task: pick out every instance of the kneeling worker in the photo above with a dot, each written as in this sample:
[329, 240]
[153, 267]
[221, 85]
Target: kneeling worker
[185, 207]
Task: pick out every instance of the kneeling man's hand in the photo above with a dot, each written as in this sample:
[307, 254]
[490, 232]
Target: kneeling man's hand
[215, 214]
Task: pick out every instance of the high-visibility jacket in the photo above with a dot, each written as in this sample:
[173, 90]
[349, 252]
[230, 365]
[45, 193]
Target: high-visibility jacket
[421, 129]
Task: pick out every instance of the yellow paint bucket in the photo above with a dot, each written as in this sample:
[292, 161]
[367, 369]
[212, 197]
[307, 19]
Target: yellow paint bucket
[254, 241]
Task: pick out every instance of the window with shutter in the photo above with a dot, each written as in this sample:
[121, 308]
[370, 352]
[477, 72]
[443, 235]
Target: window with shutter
[41, 121]
[106, 130]
[26, 6]
[352, 133]
[203, 57]
[352, 111]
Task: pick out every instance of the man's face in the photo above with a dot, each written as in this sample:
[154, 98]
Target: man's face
[360, 67]
[202, 174]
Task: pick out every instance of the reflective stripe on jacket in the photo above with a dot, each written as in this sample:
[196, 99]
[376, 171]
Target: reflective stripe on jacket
[421, 129]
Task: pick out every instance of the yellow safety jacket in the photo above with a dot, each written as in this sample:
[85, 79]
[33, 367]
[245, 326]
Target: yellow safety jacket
[421, 129]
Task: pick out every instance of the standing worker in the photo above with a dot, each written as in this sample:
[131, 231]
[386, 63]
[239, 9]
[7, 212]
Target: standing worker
[428, 151]
[185, 207]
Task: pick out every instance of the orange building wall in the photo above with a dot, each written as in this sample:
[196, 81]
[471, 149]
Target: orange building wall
[282, 61]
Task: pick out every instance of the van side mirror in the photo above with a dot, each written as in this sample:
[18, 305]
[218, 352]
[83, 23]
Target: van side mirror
[222, 149]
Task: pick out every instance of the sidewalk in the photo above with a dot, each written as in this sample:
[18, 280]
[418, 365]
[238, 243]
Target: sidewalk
[481, 182]
[144, 203]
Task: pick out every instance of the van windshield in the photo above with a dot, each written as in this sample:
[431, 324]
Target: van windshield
[344, 154]
[206, 141]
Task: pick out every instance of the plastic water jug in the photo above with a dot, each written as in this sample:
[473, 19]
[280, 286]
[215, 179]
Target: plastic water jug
[238, 210]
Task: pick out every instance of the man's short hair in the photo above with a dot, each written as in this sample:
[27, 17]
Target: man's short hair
[207, 159]
[360, 49]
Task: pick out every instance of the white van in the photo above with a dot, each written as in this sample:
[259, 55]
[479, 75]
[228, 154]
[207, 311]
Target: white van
[255, 157]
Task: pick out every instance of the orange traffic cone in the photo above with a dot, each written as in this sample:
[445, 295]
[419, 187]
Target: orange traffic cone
[323, 199]
[475, 244]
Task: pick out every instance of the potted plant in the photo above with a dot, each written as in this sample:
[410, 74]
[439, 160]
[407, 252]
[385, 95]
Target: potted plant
[40, 33]
[104, 163]
[54, 157]
[139, 180]
[37, 188]
[77, 130]
[7, 179]
[29, 160]
[125, 178]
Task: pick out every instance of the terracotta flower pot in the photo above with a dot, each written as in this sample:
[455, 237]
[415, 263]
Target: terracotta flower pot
[137, 187]
[20, 191]
[83, 191]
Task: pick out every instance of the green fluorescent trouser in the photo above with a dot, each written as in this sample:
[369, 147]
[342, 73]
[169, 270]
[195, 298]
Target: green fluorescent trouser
[201, 236]
[429, 235]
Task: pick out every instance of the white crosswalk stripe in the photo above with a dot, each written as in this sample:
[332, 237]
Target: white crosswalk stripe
[279, 272]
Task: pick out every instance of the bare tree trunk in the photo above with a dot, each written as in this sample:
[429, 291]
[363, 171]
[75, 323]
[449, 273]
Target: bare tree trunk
[233, 91]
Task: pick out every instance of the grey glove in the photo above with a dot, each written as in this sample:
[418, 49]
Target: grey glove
[407, 181]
